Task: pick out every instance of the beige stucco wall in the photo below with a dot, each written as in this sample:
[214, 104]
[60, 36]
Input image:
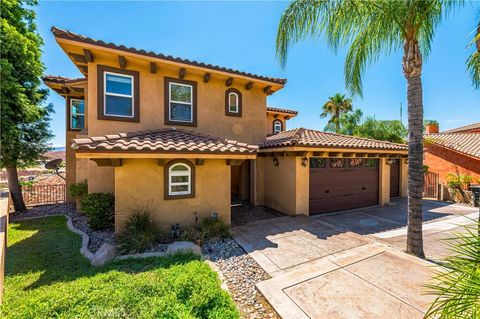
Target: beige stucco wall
[142, 181]
[286, 185]
[269, 122]
[211, 118]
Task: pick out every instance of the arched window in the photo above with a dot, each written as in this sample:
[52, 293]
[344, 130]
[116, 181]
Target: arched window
[233, 102]
[277, 126]
[179, 179]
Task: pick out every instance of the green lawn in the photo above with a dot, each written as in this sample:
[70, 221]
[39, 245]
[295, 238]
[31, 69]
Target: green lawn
[47, 277]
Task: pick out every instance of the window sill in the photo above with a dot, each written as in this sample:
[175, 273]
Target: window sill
[171, 197]
[118, 118]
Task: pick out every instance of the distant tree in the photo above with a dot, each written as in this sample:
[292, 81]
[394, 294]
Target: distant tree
[348, 123]
[473, 62]
[383, 130]
[335, 107]
[24, 121]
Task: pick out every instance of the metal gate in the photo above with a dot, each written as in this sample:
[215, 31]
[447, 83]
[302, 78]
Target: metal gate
[430, 185]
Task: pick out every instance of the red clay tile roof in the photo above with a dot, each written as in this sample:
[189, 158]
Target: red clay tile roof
[164, 140]
[61, 79]
[64, 34]
[474, 126]
[280, 110]
[312, 138]
[467, 143]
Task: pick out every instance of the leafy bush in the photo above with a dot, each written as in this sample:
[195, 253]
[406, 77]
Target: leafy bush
[99, 208]
[78, 190]
[209, 228]
[140, 234]
[214, 228]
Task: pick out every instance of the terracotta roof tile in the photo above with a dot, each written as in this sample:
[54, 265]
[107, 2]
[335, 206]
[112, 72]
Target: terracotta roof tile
[467, 143]
[281, 110]
[164, 140]
[473, 126]
[61, 79]
[313, 138]
[64, 34]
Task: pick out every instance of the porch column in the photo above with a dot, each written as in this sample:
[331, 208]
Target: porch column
[403, 178]
[384, 182]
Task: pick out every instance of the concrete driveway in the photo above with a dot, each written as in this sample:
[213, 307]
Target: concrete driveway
[348, 265]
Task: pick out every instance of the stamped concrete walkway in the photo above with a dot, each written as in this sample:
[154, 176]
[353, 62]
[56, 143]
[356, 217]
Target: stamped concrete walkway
[348, 265]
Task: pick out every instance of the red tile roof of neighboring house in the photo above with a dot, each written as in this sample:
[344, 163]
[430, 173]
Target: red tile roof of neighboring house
[280, 110]
[466, 128]
[466, 143]
[313, 138]
[164, 140]
[64, 34]
[61, 79]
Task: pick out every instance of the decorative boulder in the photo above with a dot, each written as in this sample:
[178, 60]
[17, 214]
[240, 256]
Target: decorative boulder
[105, 253]
[184, 247]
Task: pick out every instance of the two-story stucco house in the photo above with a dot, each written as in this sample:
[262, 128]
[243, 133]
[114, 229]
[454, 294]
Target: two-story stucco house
[189, 137]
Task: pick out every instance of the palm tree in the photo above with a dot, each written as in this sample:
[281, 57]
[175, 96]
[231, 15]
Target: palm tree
[373, 28]
[473, 62]
[336, 106]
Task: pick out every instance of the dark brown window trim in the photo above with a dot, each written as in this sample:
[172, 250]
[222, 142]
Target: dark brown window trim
[227, 102]
[136, 94]
[69, 113]
[166, 179]
[273, 126]
[166, 93]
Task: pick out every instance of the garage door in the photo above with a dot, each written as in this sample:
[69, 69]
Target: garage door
[342, 183]
[395, 178]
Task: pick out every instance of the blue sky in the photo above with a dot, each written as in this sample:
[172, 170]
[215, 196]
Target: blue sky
[241, 35]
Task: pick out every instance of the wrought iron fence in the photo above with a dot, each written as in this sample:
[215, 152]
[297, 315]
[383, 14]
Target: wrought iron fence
[430, 185]
[43, 194]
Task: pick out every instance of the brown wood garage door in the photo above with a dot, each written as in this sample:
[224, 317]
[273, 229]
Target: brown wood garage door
[395, 178]
[342, 183]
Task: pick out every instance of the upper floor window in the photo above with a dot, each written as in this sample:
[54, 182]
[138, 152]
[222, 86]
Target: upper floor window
[118, 94]
[233, 102]
[77, 114]
[179, 179]
[180, 102]
[277, 126]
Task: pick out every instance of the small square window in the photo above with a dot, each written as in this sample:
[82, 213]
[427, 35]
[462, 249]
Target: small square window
[316, 162]
[337, 163]
[356, 162]
[371, 162]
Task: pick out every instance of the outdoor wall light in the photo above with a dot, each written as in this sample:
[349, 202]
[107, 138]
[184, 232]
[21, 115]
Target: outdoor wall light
[275, 161]
[305, 161]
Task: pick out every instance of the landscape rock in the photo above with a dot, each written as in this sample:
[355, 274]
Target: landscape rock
[183, 247]
[105, 253]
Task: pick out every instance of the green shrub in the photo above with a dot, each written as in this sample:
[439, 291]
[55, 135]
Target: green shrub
[140, 234]
[78, 190]
[214, 228]
[99, 208]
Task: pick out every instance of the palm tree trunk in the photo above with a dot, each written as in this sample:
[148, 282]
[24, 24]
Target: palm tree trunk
[15, 189]
[412, 68]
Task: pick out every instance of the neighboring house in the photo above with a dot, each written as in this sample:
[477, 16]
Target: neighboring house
[453, 151]
[189, 137]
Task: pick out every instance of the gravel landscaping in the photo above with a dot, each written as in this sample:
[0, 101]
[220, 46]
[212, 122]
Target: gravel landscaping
[97, 238]
[240, 272]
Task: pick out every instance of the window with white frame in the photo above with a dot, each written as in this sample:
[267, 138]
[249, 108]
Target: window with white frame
[179, 179]
[180, 102]
[77, 114]
[277, 126]
[233, 102]
[118, 95]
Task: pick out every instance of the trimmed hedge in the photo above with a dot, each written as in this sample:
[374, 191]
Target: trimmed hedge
[99, 208]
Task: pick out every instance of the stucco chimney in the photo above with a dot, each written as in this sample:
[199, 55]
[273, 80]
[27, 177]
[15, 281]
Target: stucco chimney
[431, 128]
